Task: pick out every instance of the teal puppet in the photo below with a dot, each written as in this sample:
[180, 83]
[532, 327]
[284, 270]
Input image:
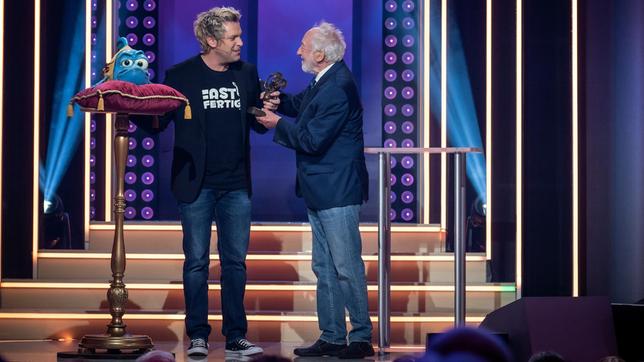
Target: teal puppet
[126, 81]
[128, 65]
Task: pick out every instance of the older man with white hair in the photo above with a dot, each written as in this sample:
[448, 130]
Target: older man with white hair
[327, 137]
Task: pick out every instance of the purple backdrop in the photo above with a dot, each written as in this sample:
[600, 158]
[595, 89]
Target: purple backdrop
[279, 26]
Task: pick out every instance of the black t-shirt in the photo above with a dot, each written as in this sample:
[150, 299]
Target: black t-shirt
[225, 161]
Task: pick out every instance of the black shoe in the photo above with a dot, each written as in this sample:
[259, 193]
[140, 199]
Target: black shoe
[242, 347]
[320, 348]
[357, 350]
[198, 347]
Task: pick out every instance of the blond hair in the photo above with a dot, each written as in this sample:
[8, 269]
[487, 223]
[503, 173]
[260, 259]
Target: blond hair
[211, 24]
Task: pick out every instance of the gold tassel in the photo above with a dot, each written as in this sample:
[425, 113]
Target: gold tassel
[101, 105]
[187, 113]
[70, 110]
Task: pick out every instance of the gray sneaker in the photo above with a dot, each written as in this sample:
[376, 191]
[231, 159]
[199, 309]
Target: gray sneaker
[198, 347]
[242, 347]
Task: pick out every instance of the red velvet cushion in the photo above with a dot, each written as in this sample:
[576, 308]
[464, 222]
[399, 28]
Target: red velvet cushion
[124, 97]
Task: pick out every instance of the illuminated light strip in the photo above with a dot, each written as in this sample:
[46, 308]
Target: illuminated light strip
[108, 116]
[426, 108]
[575, 152]
[444, 114]
[488, 129]
[260, 257]
[87, 119]
[254, 287]
[280, 228]
[217, 317]
[36, 141]
[1, 119]
[519, 148]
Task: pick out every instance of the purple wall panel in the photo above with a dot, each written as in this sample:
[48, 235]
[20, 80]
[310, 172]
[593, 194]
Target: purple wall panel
[177, 38]
[281, 25]
[370, 84]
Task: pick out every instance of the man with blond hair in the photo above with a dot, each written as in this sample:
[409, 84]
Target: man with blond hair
[211, 177]
[332, 177]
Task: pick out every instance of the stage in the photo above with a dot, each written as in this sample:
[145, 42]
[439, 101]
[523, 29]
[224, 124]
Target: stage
[45, 351]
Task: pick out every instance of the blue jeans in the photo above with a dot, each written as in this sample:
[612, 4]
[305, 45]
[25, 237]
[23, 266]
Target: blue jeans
[338, 266]
[231, 212]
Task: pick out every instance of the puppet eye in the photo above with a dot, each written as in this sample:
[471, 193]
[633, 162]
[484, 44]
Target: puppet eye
[142, 63]
[126, 62]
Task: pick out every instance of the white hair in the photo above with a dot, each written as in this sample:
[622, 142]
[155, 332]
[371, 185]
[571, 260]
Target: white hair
[328, 39]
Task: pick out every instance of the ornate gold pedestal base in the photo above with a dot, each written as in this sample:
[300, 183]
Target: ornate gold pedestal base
[90, 343]
[117, 340]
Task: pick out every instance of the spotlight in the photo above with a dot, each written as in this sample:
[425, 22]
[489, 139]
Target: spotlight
[390, 127]
[390, 75]
[408, 75]
[407, 127]
[390, 93]
[407, 110]
[57, 230]
[149, 39]
[149, 5]
[476, 226]
[149, 22]
[390, 110]
[391, 41]
[391, 6]
[407, 179]
[390, 58]
[407, 214]
[391, 23]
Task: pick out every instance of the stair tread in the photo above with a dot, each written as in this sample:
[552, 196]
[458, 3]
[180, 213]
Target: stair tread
[7, 283]
[78, 253]
[210, 312]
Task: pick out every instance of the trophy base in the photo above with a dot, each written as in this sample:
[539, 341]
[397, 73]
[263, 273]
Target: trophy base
[114, 345]
[256, 111]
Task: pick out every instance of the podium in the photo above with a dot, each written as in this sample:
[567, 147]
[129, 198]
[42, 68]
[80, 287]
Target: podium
[384, 232]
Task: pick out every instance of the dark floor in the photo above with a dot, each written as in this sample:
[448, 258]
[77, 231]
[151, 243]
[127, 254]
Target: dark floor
[46, 351]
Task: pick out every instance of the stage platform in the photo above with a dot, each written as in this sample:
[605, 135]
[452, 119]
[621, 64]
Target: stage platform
[67, 298]
[45, 351]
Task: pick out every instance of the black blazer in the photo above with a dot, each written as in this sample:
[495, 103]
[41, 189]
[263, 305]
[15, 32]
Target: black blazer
[189, 155]
[328, 139]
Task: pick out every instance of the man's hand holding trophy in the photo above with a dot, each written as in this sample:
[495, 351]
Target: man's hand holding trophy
[270, 94]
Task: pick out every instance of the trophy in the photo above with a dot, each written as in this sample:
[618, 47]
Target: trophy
[274, 82]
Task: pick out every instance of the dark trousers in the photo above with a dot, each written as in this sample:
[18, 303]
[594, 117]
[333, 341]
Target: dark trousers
[231, 211]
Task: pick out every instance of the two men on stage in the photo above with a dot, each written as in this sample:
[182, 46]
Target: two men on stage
[211, 180]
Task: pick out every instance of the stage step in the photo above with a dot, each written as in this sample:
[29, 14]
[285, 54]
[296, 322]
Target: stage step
[265, 327]
[67, 299]
[426, 299]
[291, 267]
[167, 238]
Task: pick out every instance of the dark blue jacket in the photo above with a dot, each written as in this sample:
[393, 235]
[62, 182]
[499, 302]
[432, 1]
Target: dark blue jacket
[189, 154]
[328, 139]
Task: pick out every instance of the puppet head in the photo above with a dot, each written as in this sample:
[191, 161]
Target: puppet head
[127, 65]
